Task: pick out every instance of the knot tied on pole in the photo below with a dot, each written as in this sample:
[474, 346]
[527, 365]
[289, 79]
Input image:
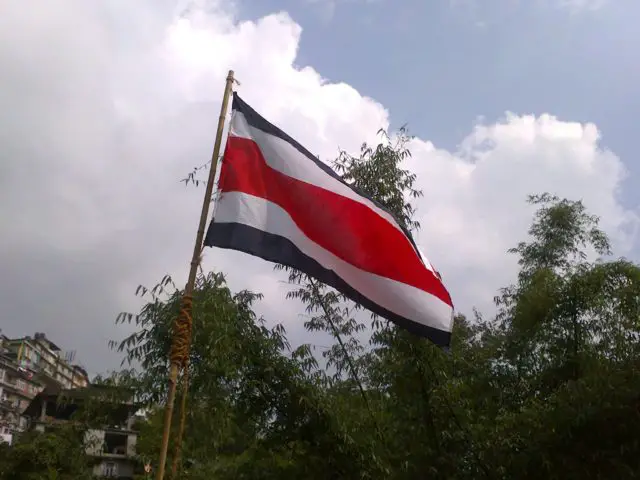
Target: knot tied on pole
[182, 328]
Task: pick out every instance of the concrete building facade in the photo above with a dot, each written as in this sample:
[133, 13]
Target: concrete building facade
[17, 388]
[111, 446]
[41, 355]
[27, 366]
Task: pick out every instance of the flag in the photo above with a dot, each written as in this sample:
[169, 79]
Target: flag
[277, 201]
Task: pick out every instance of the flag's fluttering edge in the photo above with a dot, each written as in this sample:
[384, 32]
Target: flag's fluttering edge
[280, 203]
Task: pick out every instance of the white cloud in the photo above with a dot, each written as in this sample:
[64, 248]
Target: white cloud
[474, 208]
[107, 104]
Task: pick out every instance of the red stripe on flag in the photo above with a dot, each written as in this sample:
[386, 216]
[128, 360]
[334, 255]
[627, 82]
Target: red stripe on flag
[346, 228]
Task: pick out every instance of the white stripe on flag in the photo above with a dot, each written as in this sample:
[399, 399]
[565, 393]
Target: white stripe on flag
[401, 299]
[288, 160]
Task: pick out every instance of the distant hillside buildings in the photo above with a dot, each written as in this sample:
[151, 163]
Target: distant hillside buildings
[110, 445]
[41, 388]
[27, 366]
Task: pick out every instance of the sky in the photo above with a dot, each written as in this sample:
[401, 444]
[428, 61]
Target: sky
[106, 105]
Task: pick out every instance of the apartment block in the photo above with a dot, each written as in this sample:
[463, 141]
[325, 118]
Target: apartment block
[17, 388]
[112, 446]
[44, 357]
[27, 366]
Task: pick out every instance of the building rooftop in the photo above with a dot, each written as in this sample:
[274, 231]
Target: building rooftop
[81, 370]
[41, 337]
[62, 403]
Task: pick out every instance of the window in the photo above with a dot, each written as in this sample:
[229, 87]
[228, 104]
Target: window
[110, 469]
[115, 443]
[1, 375]
[20, 385]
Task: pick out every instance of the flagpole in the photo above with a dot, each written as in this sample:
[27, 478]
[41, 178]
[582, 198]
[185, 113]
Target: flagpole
[181, 340]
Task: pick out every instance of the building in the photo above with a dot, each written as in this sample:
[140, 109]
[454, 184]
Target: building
[112, 446]
[17, 388]
[41, 355]
[27, 366]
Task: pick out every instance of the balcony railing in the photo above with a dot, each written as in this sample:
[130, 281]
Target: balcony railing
[9, 404]
[6, 380]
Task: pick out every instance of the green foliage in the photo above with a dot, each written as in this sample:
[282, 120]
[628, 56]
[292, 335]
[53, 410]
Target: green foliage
[247, 397]
[565, 352]
[60, 453]
[55, 455]
[548, 388]
[378, 173]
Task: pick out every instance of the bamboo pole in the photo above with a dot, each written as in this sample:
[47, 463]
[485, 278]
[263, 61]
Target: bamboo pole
[177, 451]
[188, 289]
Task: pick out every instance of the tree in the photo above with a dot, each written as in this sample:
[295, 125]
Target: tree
[548, 388]
[252, 411]
[566, 333]
[54, 455]
[565, 352]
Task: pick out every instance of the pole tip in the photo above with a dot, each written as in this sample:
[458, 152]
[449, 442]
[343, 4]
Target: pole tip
[230, 75]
